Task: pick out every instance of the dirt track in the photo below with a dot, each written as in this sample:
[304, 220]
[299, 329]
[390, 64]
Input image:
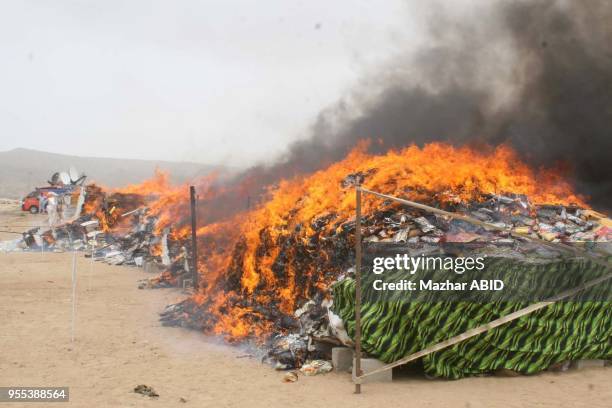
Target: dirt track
[120, 344]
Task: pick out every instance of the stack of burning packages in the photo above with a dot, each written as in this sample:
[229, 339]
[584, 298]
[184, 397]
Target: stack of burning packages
[117, 229]
[324, 314]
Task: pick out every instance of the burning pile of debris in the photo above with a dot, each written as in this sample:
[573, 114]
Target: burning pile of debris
[118, 227]
[266, 274]
[275, 283]
[308, 332]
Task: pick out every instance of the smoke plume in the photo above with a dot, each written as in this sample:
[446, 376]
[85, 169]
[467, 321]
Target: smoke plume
[534, 74]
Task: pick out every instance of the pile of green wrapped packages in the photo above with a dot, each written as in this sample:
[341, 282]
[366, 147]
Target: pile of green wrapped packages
[392, 327]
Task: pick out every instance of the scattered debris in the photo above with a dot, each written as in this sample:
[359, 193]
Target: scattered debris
[290, 377]
[315, 367]
[146, 390]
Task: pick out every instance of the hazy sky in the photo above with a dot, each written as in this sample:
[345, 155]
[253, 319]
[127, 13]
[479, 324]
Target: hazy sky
[208, 81]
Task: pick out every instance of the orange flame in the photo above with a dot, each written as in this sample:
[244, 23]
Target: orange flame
[245, 248]
[437, 173]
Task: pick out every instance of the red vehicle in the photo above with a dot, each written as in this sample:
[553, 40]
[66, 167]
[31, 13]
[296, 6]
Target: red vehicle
[31, 202]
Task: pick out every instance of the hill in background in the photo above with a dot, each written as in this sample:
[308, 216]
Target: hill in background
[23, 169]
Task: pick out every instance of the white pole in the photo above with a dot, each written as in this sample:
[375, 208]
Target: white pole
[91, 265]
[74, 277]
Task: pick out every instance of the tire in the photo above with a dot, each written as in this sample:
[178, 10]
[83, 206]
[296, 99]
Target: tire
[33, 209]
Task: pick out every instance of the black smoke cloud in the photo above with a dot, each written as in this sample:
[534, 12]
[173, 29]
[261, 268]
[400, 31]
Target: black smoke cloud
[534, 74]
[565, 109]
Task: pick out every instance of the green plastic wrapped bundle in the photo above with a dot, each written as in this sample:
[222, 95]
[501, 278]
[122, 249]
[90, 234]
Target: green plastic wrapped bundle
[564, 331]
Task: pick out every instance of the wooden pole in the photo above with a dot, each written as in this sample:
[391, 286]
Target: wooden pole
[194, 243]
[91, 266]
[358, 287]
[74, 284]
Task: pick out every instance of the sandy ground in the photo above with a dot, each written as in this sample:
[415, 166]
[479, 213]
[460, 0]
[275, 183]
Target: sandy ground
[120, 344]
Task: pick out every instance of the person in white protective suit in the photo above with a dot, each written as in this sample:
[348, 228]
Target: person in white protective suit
[52, 203]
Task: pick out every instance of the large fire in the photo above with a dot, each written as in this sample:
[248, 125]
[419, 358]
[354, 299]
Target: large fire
[265, 257]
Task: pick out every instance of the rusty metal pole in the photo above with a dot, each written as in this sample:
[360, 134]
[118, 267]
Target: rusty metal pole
[358, 288]
[194, 244]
